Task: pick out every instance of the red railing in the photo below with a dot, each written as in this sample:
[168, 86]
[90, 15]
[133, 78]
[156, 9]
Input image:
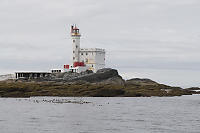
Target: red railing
[79, 64]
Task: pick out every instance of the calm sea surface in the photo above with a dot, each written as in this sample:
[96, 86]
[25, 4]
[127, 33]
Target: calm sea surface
[102, 115]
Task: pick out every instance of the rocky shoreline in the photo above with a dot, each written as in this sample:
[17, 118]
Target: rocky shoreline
[105, 83]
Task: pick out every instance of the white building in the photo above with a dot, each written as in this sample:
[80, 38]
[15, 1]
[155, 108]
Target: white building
[94, 58]
[84, 58]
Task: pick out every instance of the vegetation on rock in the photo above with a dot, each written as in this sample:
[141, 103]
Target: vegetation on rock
[28, 89]
[104, 83]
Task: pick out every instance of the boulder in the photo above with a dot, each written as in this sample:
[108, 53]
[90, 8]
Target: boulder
[106, 75]
[141, 82]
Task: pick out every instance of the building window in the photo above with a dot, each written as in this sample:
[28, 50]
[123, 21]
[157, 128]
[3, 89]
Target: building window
[73, 41]
[73, 52]
[73, 58]
[86, 53]
[76, 46]
[92, 65]
[81, 53]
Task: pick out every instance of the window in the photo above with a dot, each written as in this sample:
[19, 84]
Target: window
[73, 58]
[86, 53]
[81, 53]
[92, 65]
[73, 41]
[73, 52]
[76, 46]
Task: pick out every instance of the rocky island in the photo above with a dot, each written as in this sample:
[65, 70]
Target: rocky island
[104, 83]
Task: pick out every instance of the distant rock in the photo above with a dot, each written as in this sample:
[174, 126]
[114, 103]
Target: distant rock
[6, 77]
[193, 88]
[196, 90]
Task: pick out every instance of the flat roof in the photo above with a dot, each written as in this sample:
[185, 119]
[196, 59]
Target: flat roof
[32, 72]
[92, 49]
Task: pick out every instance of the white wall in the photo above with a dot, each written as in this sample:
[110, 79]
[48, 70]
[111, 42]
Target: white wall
[75, 48]
[89, 58]
[100, 58]
[93, 59]
[79, 69]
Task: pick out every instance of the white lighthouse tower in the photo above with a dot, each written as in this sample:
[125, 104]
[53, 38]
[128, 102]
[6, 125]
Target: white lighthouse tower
[75, 43]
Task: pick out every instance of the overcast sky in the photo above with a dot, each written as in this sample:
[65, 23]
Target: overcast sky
[157, 39]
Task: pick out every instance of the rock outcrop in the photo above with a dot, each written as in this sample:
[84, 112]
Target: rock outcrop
[104, 83]
[81, 88]
[148, 87]
[104, 76]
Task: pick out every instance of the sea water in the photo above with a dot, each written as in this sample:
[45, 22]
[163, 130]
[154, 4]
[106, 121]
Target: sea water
[100, 115]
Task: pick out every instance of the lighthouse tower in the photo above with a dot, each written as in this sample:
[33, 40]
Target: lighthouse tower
[75, 43]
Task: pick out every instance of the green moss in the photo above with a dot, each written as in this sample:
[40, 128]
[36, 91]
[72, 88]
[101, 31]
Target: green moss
[27, 89]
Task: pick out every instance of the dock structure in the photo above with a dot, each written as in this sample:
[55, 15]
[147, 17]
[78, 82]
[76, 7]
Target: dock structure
[31, 75]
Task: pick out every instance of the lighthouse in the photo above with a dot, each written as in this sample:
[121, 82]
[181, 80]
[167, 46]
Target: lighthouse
[75, 35]
[84, 58]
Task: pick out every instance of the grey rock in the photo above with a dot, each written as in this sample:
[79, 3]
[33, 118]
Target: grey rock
[106, 75]
[138, 81]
